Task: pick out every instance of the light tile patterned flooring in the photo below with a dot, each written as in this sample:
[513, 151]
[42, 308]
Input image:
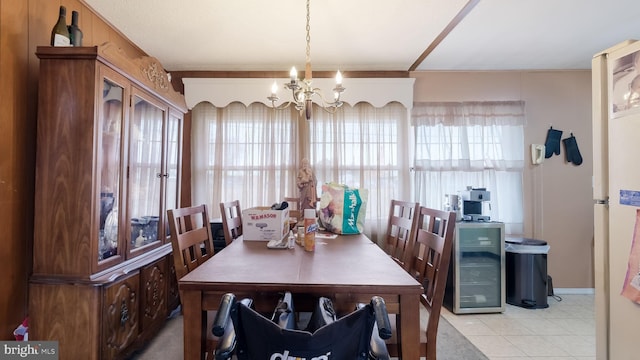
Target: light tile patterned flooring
[563, 331]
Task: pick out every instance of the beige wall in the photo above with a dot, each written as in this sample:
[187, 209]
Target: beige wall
[557, 194]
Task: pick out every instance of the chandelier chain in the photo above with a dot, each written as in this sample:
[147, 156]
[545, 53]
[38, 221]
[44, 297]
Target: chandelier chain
[308, 59]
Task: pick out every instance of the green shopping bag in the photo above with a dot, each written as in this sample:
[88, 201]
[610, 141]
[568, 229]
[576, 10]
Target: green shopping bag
[343, 208]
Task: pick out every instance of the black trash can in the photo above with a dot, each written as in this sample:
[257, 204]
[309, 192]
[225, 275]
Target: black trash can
[526, 272]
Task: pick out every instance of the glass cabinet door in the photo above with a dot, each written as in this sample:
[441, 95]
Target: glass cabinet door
[111, 122]
[145, 173]
[172, 171]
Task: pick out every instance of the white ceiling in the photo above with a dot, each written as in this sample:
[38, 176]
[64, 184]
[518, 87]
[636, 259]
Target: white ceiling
[370, 35]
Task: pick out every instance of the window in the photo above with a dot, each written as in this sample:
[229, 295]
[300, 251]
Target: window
[242, 153]
[252, 154]
[478, 144]
[365, 147]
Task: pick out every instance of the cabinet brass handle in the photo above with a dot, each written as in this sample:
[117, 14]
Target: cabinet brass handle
[124, 313]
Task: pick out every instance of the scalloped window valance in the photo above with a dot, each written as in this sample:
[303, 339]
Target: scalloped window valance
[222, 91]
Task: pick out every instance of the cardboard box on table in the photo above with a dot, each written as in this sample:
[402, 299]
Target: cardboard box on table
[263, 224]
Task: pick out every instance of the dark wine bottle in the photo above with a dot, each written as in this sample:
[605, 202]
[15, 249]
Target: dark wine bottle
[74, 31]
[60, 32]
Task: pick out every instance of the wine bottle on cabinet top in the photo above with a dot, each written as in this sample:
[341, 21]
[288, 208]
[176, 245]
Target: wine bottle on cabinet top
[74, 31]
[60, 32]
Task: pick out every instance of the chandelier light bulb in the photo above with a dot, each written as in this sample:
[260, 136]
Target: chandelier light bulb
[274, 88]
[293, 74]
[338, 78]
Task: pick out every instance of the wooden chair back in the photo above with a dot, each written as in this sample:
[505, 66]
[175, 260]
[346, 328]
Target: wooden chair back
[231, 213]
[429, 262]
[401, 228]
[294, 207]
[192, 243]
[191, 237]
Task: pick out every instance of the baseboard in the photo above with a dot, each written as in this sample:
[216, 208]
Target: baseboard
[574, 291]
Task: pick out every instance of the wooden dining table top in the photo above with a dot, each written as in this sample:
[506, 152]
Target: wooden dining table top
[347, 262]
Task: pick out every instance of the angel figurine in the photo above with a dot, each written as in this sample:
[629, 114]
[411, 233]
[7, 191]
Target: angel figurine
[306, 181]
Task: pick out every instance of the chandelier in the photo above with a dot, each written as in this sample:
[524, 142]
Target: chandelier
[302, 91]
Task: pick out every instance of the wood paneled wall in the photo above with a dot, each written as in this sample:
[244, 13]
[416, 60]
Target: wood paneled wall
[16, 164]
[24, 25]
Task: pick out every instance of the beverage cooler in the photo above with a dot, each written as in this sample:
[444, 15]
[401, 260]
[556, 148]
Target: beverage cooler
[476, 281]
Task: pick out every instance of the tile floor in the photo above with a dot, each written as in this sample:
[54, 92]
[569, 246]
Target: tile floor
[565, 330]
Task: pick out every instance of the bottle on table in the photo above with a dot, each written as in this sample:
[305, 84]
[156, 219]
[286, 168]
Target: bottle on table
[310, 228]
[300, 235]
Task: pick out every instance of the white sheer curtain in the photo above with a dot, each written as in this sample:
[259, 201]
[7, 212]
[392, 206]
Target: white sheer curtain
[245, 153]
[479, 144]
[252, 154]
[145, 158]
[366, 147]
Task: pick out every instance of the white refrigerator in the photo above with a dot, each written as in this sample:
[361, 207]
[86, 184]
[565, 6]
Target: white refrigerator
[616, 183]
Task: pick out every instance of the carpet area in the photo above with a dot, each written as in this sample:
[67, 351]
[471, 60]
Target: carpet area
[168, 345]
[452, 345]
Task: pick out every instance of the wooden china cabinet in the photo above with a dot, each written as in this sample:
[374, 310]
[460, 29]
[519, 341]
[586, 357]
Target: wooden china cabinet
[109, 138]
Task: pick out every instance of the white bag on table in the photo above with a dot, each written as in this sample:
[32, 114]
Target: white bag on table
[342, 208]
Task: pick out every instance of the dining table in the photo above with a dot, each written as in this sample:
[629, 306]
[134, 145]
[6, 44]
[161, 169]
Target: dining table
[348, 267]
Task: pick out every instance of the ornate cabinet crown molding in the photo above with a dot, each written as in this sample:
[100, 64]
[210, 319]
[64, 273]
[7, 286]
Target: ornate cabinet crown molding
[147, 71]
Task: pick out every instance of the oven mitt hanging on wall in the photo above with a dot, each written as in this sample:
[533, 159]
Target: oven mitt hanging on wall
[552, 144]
[571, 150]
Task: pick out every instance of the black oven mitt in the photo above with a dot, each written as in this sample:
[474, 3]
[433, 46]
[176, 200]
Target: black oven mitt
[552, 144]
[571, 150]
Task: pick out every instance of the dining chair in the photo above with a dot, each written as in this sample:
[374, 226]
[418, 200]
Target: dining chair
[401, 228]
[294, 208]
[231, 213]
[429, 264]
[192, 244]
